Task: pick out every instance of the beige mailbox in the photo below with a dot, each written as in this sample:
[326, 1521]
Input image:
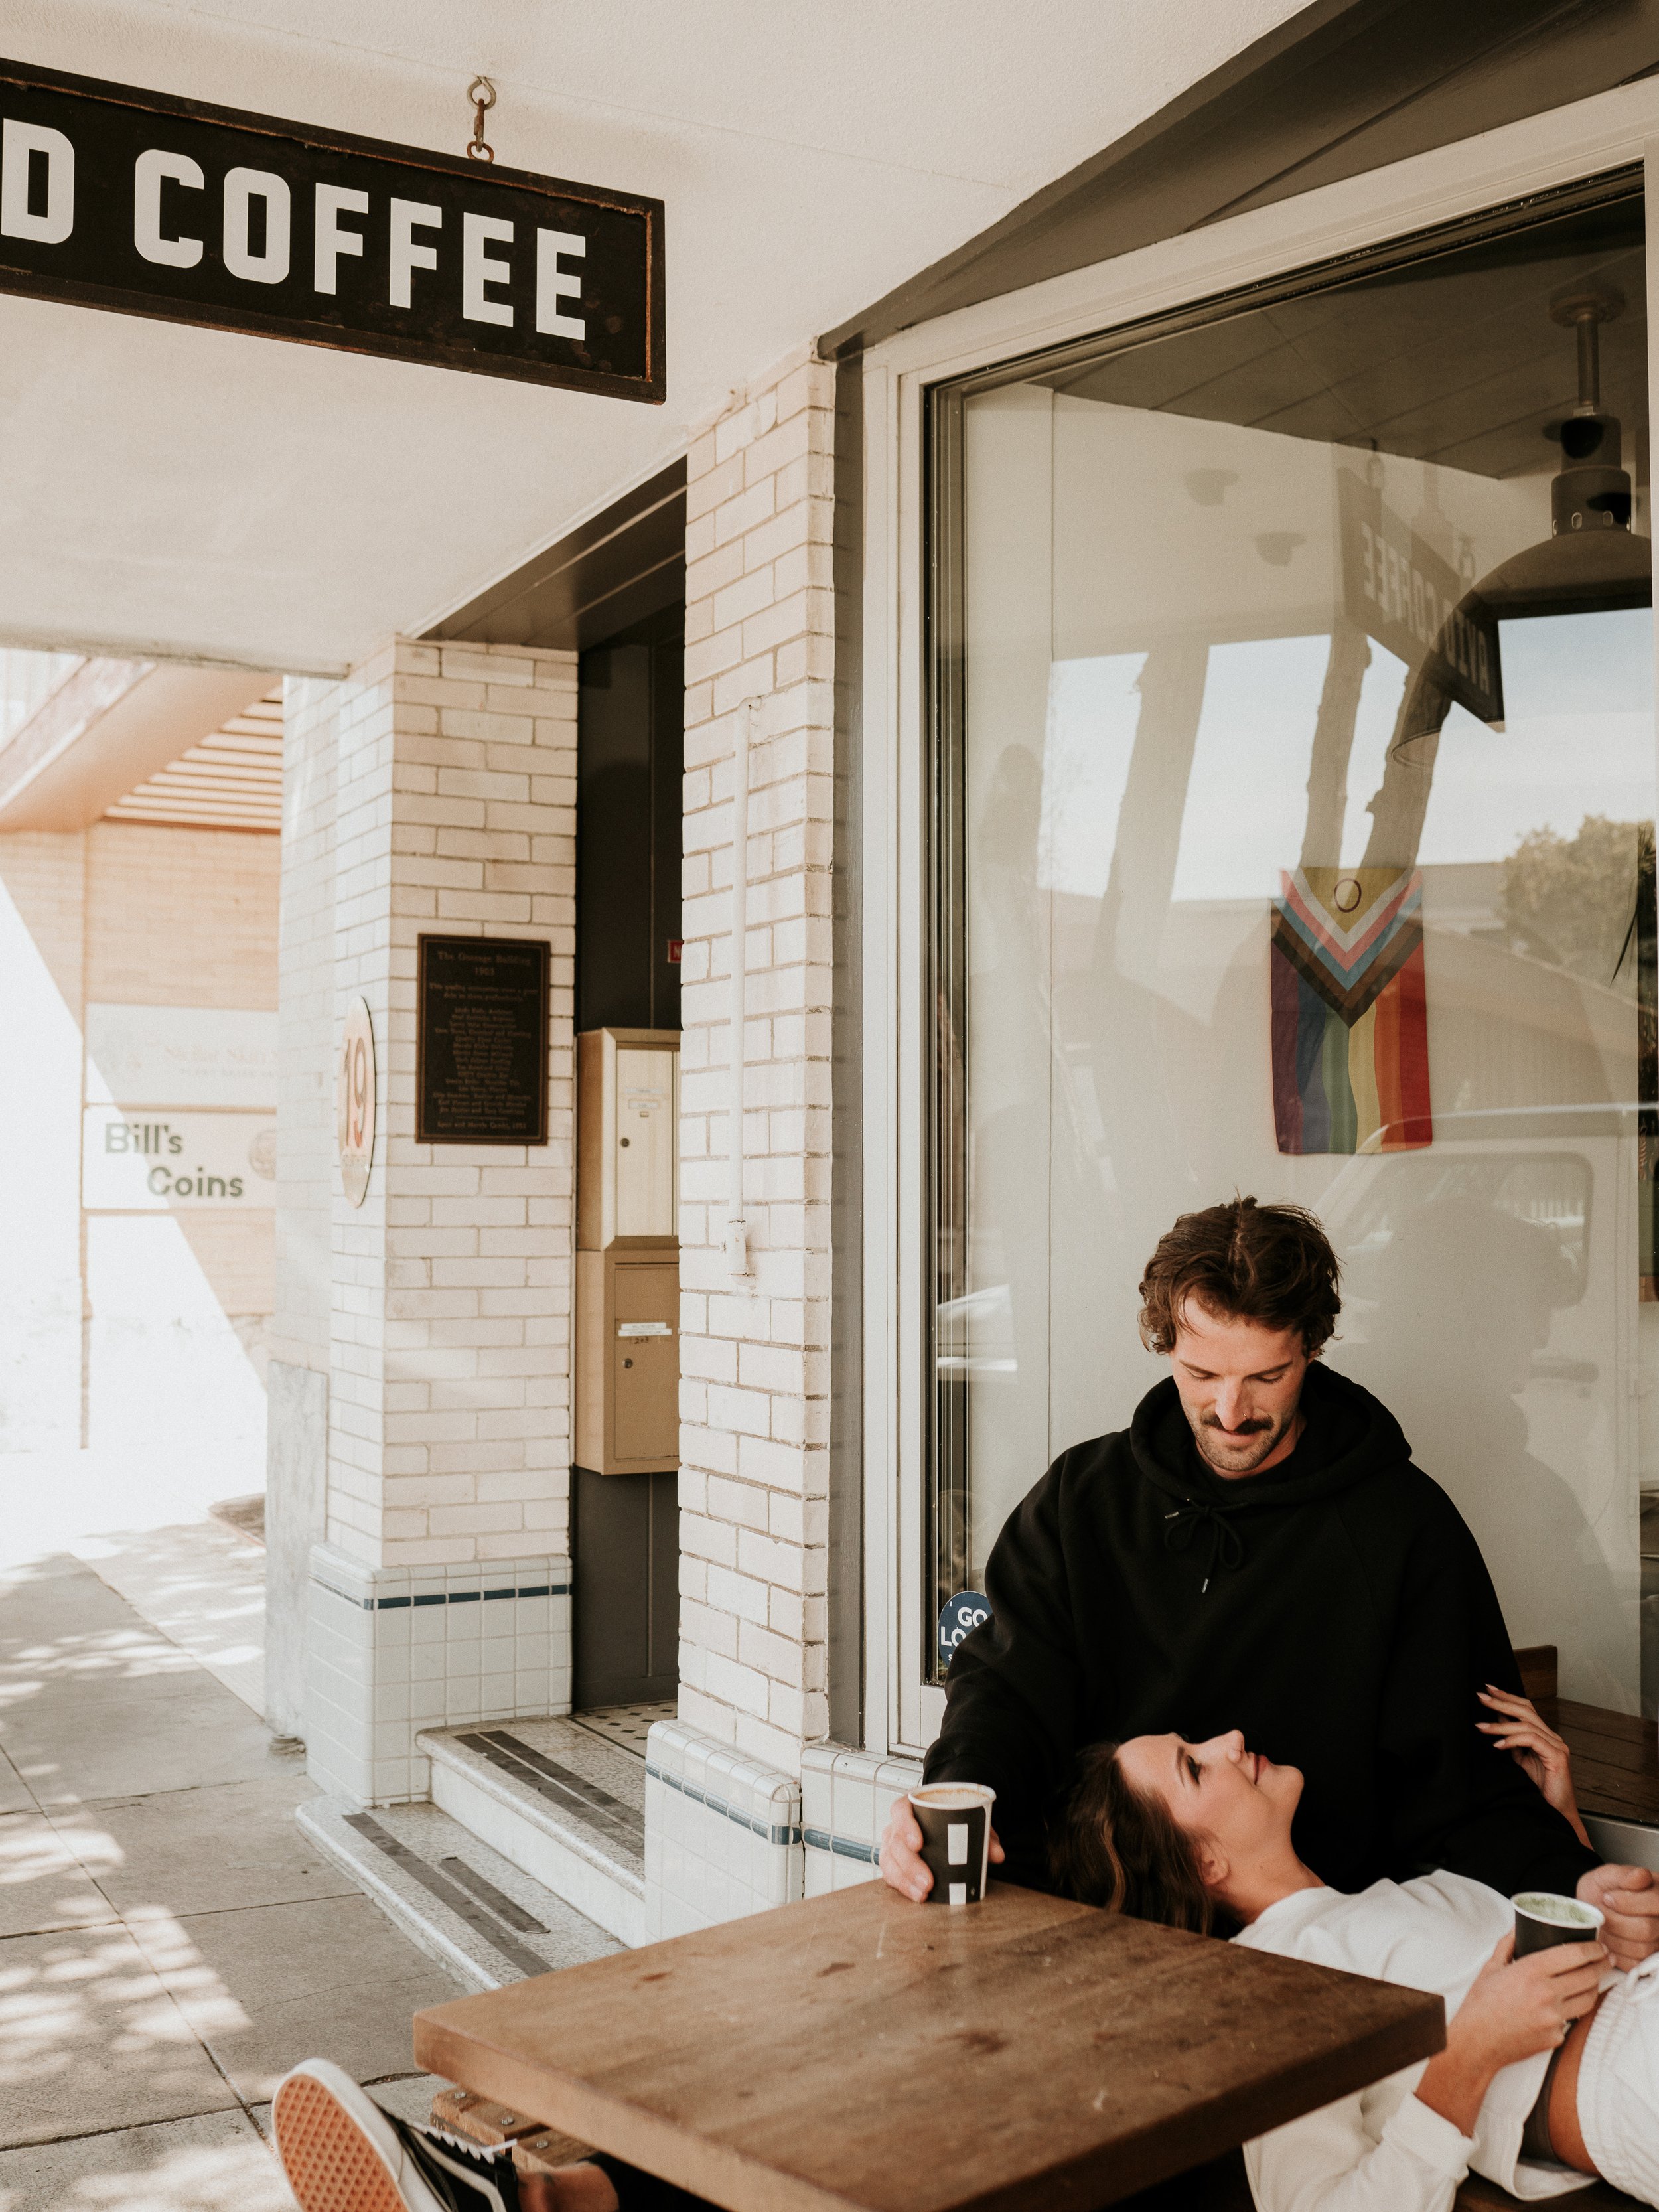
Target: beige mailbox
[628, 1107]
[628, 1363]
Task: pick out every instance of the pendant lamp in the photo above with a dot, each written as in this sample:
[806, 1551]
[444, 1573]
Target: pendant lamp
[1592, 562]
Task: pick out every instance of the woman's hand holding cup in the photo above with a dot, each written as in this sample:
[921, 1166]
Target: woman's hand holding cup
[1514, 2008]
[1518, 2006]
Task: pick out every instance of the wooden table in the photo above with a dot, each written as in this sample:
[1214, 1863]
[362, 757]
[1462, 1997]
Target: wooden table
[857, 2050]
[1615, 1760]
[1615, 1756]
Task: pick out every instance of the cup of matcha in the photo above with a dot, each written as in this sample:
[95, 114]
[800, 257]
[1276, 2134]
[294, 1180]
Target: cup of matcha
[1542, 1918]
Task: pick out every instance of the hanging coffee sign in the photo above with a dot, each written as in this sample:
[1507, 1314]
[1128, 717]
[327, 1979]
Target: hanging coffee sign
[1410, 599]
[356, 1101]
[120, 198]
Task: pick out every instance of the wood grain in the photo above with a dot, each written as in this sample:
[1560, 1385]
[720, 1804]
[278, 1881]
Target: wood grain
[1540, 1666]
[544, 2153]
[856, 2051]
[478, 2119]
[1615, 1760]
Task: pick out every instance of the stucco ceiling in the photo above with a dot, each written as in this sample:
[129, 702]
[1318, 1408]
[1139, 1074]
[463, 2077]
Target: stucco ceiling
[172, 491]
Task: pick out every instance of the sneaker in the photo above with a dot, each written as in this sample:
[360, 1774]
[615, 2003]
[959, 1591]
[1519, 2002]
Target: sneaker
[342, 2153]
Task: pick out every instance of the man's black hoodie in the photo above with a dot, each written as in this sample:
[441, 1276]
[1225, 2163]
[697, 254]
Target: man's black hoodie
[1335, 1607]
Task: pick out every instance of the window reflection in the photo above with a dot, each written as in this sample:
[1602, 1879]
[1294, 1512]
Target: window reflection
[1176, 699]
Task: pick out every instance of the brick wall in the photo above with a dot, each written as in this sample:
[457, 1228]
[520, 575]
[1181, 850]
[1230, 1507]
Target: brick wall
[755, 1352]
[306, 1028]
[131, 914]
[42, 952]
[177, 917]
[43, 876]
[234, 1249]
[181, 917]
[454, 812]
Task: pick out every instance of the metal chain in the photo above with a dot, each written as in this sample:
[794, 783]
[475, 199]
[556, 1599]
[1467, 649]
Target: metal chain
[482, 93]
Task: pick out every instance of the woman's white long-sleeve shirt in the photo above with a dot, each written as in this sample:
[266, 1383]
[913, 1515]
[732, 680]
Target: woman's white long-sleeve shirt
[1382, 2150]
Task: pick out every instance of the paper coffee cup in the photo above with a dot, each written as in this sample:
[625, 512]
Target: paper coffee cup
[1543, 1919]
[954, 1820]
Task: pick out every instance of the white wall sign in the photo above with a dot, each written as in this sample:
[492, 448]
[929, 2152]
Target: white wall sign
[181, 1056]
[355, 1100]
[157, 1163]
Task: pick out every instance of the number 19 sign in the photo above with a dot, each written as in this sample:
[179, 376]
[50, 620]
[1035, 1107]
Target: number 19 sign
[356, 1101]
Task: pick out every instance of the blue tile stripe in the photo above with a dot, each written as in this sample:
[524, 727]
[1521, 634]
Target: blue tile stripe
[442, 1597]
[820, 1839]
[768, 1834]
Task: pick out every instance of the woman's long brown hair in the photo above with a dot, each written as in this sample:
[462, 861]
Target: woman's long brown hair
[1115, 1847]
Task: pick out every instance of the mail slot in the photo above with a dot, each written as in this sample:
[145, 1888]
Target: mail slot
[628, 1269]
[628, 1361]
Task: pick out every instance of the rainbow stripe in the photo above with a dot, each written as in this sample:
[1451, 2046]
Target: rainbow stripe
[1350, 1012]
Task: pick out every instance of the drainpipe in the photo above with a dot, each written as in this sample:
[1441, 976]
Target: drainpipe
[738, 1262]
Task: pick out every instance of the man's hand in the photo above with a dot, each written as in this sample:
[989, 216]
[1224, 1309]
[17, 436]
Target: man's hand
[1630, 1899]
[901, 1854]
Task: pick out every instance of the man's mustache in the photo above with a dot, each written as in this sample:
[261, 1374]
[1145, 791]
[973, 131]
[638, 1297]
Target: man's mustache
[1244, 1429]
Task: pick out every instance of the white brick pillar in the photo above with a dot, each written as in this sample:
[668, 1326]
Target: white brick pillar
[755, 1351]
[297, 1475]
[440, 1596]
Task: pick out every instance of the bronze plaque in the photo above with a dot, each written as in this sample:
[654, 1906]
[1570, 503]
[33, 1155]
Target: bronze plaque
[482, 1041]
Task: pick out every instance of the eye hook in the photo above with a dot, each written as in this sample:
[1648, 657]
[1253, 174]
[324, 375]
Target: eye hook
[482, 93]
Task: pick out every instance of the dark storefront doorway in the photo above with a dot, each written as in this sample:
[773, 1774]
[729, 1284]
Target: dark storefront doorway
[625, 1527]
[614, 592]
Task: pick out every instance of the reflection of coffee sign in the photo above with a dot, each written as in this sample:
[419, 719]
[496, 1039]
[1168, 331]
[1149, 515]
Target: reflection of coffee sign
[1401, 592]
[356, 1101]
[963, 1614]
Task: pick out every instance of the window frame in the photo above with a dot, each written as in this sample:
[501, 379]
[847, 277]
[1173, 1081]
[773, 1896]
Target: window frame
[912, 704]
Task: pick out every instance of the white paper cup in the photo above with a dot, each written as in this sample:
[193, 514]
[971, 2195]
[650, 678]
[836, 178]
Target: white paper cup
[954, 1820]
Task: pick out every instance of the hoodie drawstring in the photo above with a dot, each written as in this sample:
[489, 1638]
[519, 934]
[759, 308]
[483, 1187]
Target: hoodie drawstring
[1226, 1545]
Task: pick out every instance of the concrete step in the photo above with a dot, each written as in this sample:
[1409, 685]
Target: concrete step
[486, 1920]
[561, 1801]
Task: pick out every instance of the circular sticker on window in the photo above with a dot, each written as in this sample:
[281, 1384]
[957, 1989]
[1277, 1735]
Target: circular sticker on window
[961, 1615]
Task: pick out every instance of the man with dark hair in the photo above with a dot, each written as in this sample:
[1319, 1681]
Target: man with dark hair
[1257, 1552]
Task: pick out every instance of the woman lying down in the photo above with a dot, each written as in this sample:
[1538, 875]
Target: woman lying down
[1551, 2071]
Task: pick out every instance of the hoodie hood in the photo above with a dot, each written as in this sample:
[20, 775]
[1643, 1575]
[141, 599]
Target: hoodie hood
[1346, 1435]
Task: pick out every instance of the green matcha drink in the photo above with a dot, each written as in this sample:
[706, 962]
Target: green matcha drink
[1542, 1918]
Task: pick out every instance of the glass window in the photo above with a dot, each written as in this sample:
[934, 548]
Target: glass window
[1295, 778]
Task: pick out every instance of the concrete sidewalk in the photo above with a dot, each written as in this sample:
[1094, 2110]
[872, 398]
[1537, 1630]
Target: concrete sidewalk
[169, 1943]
